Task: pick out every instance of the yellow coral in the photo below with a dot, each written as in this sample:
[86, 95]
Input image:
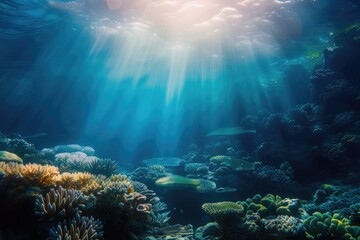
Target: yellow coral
[118, 177]
[121, 178]
[93, 188]
[83, 179]
[10, 168]
[66, 180]
[39, 175]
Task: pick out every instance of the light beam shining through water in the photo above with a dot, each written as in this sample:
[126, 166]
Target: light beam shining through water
[157, 69]
[167, 41]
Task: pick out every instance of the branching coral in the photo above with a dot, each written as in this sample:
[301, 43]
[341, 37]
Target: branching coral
[34, 175]
[39, 175]
[77, 228]
[59, 204]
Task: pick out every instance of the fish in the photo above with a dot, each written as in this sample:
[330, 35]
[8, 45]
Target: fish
[231, 131]
[225, 190]
[10, 157]
[181, 182]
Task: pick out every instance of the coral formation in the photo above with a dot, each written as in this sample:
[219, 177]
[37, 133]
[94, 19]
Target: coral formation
[272, 205]
[223, 210]
[77, 228]
[59, 204]
[106, 167]
[330, 226]
[148, 175]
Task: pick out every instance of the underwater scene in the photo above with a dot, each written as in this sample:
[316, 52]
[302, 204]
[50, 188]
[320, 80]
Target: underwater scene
[179, 119]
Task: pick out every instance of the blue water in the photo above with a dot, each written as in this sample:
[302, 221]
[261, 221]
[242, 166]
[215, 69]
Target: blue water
[66, 74]
[150, 79]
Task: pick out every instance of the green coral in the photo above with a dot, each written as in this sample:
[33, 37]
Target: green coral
[272, 205]
[330, 226]
[223, 210]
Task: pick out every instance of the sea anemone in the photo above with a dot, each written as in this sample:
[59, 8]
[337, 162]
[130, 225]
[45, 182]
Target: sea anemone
[105, 167]
[77, 228]
[59, 204]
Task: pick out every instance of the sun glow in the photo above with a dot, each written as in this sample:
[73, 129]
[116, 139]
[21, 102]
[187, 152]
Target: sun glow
[168, 41]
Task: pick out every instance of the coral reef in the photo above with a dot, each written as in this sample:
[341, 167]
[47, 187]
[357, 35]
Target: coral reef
[17, 145]
[269, 217]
